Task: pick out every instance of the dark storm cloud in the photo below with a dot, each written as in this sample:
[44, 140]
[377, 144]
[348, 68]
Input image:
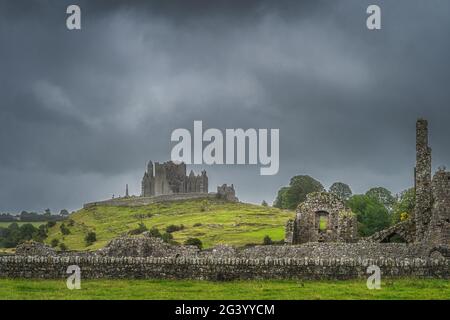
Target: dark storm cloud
[82, 111]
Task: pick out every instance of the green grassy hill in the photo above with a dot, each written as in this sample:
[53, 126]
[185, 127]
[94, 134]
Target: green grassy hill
[212, 221]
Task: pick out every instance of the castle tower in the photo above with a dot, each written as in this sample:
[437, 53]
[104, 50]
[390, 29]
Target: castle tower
[204, 182]
[422, 175]
[148, 182]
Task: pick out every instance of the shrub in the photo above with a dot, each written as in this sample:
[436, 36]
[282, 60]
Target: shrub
[264, 203]
[267, 240]
[174, 228]
[64, 229]
[154, 232]
[167, 237]
[62, 246]
[71, 223]
[54, 243]
[51, 224]
[141, 228]
[90, 238]
[198, 224]
[404, 216]
[194, 242]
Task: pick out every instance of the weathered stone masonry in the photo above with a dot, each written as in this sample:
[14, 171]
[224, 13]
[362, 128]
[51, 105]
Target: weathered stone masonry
[218, 269]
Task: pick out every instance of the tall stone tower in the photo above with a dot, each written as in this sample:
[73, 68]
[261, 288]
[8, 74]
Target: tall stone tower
[422, 174]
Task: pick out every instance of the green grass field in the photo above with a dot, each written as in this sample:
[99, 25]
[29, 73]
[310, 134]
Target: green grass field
[216, 222]
[186, 289]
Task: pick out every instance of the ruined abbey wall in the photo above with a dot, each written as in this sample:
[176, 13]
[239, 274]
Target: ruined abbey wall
[439, 227]
[422, 172]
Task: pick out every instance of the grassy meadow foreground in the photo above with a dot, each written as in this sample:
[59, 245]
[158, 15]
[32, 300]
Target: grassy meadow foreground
[212, 221]
[204, 290]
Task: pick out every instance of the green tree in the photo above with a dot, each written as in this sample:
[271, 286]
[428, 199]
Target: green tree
[371, 214]
[64, 230]
[341, 190]
[27, 231]
[41, 233]
[383, 195]
[278, 203]
[264, 203]
[299, 187]
[405, 204]
[51, 224]
[90, 238]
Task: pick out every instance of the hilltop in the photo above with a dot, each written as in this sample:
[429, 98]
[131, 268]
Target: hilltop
[213, 221]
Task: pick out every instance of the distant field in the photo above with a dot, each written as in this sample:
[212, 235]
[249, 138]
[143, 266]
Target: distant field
[213, 222]
[36, 224]
[184, 289]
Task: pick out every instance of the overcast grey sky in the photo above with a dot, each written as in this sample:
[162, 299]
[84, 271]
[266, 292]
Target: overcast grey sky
[81, 112]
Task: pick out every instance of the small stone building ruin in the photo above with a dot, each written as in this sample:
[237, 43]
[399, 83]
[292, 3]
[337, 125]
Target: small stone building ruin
[170, 177]
[322, 217]
[226, 192]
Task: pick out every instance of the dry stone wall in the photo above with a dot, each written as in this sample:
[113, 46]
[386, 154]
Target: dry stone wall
[218, 269]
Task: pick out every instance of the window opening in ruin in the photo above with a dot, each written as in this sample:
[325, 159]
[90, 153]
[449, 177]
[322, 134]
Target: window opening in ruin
[323, 220]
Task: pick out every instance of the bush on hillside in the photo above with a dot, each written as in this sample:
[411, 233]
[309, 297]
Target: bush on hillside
[267, 240]
[90, 238]
[194, 242]
[174, 228]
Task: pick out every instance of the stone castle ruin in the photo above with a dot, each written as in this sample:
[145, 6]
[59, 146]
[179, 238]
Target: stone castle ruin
[170, 178]
[168, 181]
[321, 242]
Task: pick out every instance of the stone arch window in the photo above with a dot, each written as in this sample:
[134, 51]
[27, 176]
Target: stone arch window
[322, 220]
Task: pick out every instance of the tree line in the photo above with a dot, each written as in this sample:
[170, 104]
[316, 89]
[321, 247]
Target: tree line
[25, 216]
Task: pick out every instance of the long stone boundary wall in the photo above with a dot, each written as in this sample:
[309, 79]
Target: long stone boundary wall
[218, 269]
[142, 201]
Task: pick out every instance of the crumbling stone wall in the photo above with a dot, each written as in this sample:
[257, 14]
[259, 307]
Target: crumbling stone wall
[336, 250]
[404, 229]
[144, 246]
[33, 248]
[438, 232]
[218, 269]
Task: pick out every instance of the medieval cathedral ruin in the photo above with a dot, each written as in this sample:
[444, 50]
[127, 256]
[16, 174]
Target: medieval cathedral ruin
[170, 177]
[324, 218]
